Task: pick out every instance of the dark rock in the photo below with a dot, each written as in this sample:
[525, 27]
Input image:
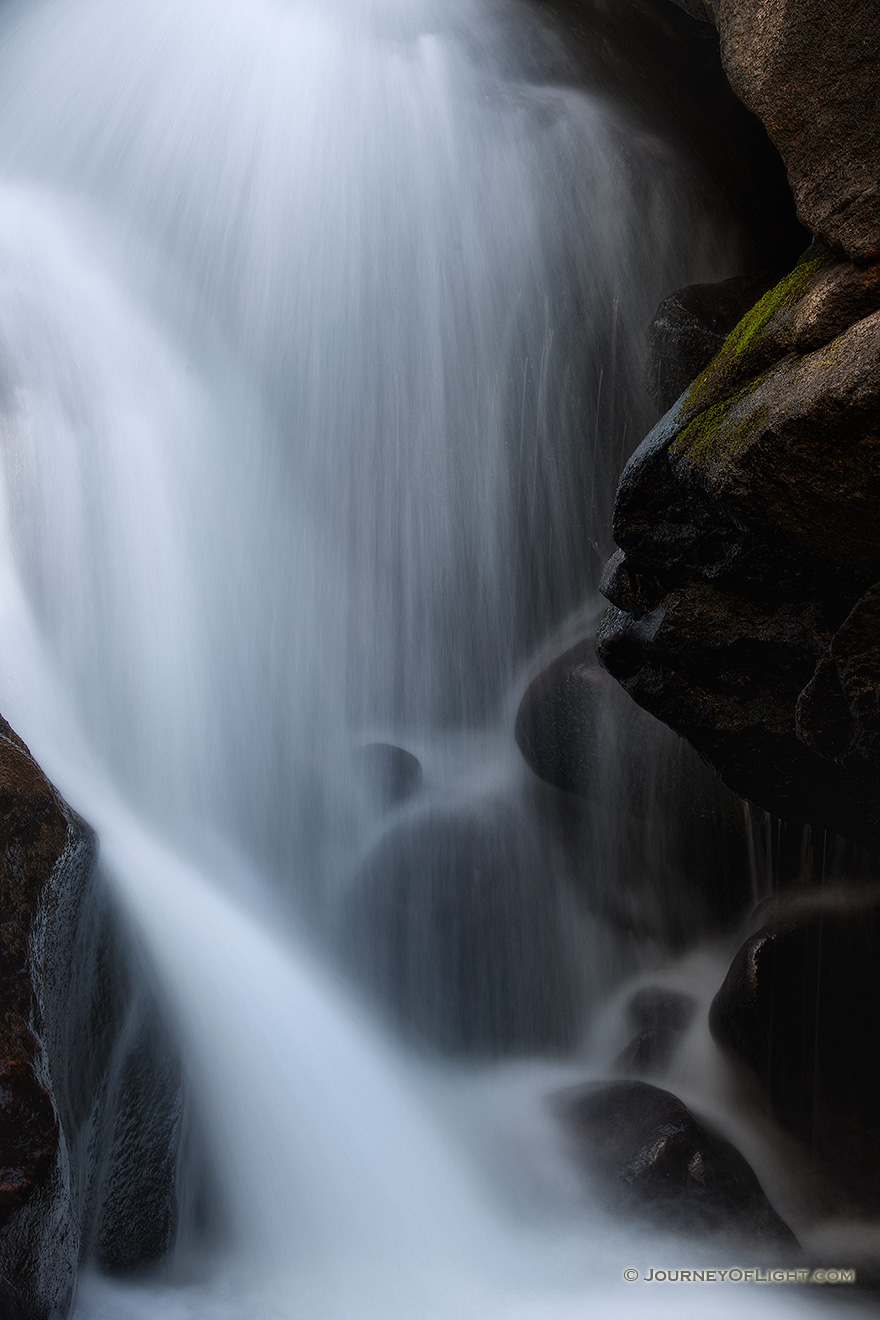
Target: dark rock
[652, 1158]
[838, 712]
[557, 724]
[690, 327]
[652, 57]
[748, 529]
[457, 920]
[809, 72]
[676, 858]
[391, 773]
[796, 1007]
[89, 1080]
[28, 1126]
[696, 8]
[46, 858]
[659, 1017]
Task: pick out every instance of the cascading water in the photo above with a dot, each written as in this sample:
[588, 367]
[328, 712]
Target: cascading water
[319, 332]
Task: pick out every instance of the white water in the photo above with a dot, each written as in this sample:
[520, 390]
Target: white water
[316, 328]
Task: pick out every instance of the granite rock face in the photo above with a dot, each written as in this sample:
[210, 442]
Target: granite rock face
[749, 535]
[809, 72]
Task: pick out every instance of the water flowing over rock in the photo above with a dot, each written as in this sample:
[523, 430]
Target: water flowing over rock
[86, 1070]
[650, 1156]
[794, 1008]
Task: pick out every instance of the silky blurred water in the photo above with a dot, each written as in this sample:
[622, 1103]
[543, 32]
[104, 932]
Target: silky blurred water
[320, 347]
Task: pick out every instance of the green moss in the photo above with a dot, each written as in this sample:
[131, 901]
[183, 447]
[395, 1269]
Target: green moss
[744, 353]
[712, 436]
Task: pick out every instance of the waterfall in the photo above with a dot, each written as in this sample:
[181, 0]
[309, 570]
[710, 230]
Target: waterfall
[320, 342]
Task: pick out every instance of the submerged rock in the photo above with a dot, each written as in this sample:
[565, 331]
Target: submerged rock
[661, 846]
[391, 774]
[459, 922]
[650, 1157]
[659, 1017]
[794, 1007]
[559, 719]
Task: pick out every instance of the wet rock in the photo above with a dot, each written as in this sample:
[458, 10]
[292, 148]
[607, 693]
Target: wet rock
[557, 724]
[457, 920]
[46, 855]
[661, 843]
[29, 1136]
[651, 1157]
[659, 1017]
[390, 773]
[794, 1008]
[748, 532]
[88, 1078]
[690, 327]
[809, 72]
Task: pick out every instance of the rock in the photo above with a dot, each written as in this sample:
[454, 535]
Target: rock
[748, 532]
[690, 327]
[676, 859]
[29, 1136]
[457, 920]
[809, 72]
[772, 455]
[659, 1017]
[652, 57]
[89, 1079]
[838, 712]
[650, 1157]
[796, 1007]
[44, 850]
[696, 8]
[558, 721]
[391, 774]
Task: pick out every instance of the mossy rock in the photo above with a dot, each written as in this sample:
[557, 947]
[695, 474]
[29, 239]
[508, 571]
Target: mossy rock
[756, 342]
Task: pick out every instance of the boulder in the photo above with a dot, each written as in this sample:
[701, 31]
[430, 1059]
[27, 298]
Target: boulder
[89, 1076]
[46, 857]
[648, 1156]
[659, 1017]
[748, 533]
[795, 1007]
[690, 327]
[809, 72]
[676, 859]
[458, 920]
[559, 719]
[390, 774]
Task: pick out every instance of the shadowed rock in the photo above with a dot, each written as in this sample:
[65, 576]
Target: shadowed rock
[650, 1157]
[391, 773]
[796, 1007]
[748, 530]
[658, 1017]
